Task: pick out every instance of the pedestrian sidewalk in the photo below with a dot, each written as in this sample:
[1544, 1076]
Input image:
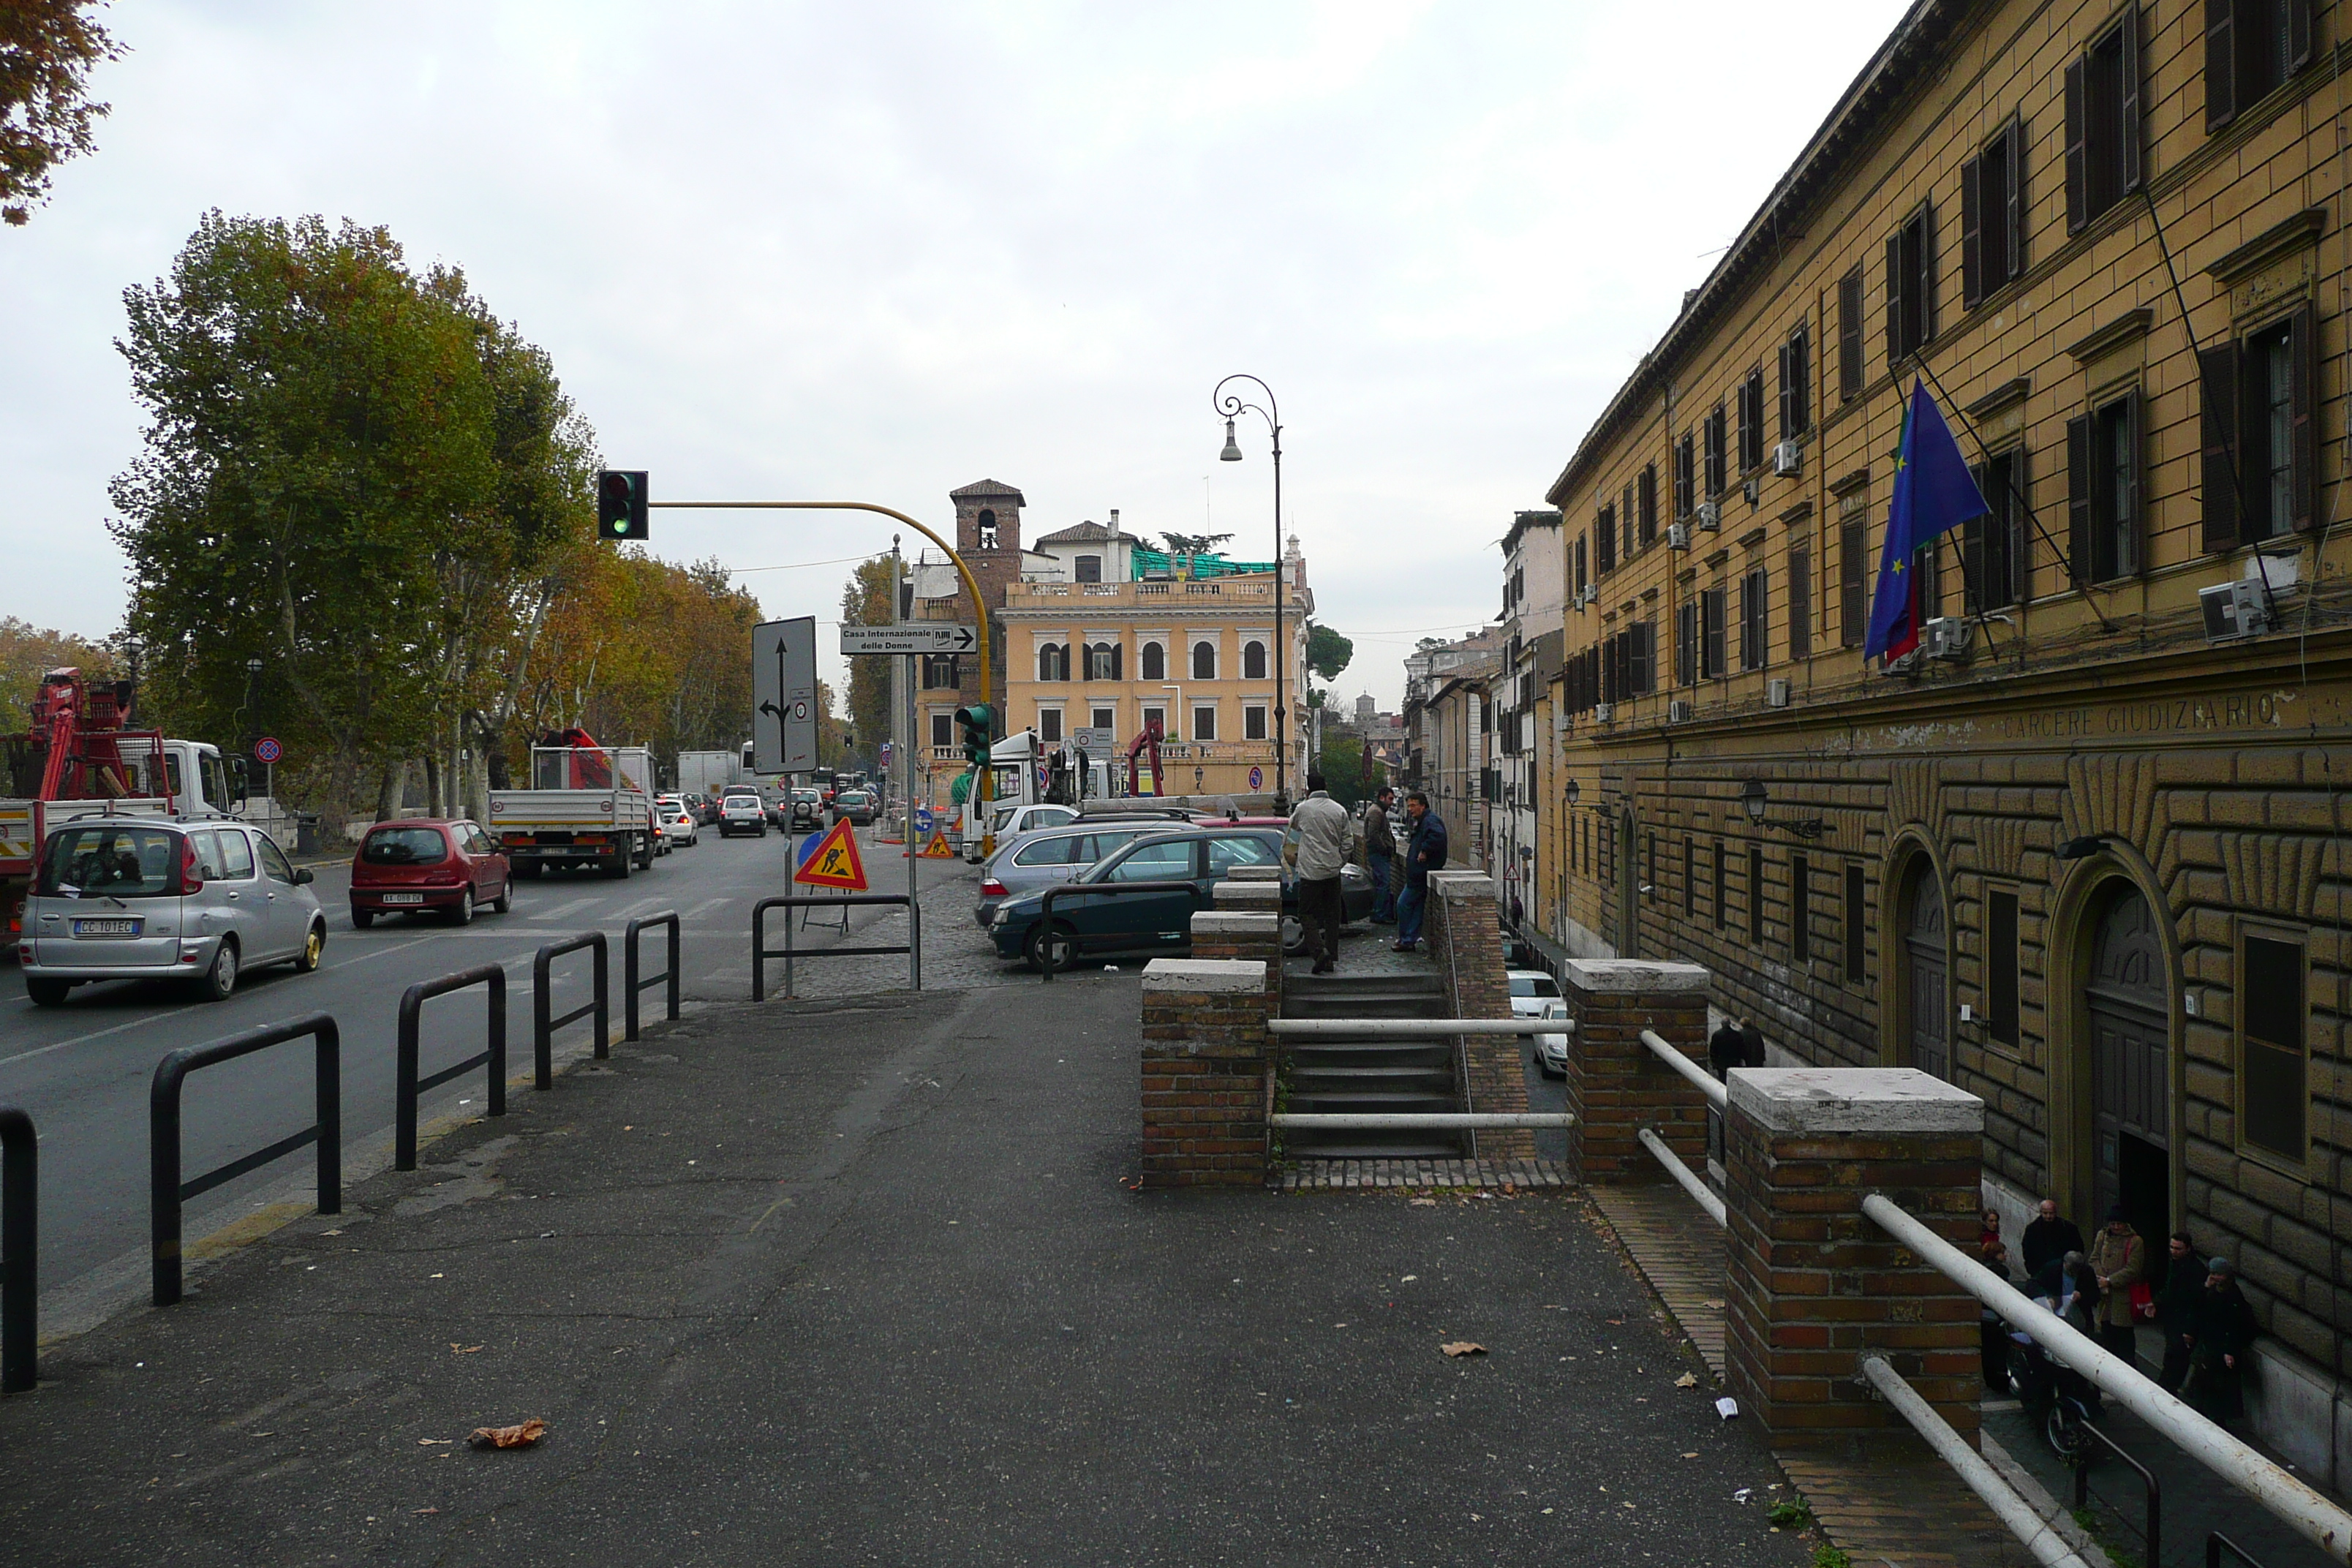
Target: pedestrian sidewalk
[862, 1281]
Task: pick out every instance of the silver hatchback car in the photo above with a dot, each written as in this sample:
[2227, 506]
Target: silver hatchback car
[136, 899]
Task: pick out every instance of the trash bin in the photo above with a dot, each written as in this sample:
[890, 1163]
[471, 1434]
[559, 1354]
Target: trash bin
[305, 833]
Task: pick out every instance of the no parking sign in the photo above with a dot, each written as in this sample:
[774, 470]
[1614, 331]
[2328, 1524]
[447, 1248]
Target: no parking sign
[268, 750]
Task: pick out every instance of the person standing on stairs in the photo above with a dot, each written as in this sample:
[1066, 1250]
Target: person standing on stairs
[1423, 854]
[1316, 844]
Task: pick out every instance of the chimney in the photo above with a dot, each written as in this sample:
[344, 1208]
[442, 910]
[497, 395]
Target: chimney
[1114, 520]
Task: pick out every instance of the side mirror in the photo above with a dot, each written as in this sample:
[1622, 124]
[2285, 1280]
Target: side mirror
[238, 787]
[302, 875]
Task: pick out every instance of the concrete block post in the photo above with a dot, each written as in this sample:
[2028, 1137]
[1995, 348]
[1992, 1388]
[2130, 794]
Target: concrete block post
[1465, 936]
[1616, 1085]
[1812, 1285]
[1205, 1057]
[1255, 899]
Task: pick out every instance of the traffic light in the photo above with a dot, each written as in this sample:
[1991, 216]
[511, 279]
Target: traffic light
[976, 722]
[620, 504]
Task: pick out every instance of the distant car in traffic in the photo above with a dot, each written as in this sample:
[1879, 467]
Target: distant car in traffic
[677, 825]
[1037, 860]
[445, 868]
[1536, 995]
[132, 898]
[856, 806]
[806, 808]
[743, 813]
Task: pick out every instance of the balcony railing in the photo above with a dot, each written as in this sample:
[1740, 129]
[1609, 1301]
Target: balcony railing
[1222, 588]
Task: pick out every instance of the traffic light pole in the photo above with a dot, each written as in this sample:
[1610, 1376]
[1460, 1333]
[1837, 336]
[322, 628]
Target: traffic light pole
[970, 584]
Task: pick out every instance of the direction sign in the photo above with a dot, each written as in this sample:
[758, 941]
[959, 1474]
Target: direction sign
[783, 695]
[833, 862]
[268, 750]
[914, 636]
[922, 819]
[1095, 743]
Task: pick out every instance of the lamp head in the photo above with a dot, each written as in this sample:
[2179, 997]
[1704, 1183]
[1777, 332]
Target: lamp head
[1753, 799]
[1574, 790]
[1233, 452]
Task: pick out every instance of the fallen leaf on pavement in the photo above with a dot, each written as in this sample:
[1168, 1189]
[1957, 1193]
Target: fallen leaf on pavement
[463, 1350]
[517, 1436]
[1420, 1203]
[1715, 1306]
[425, 1510]
[1462, 1348]
[429, 1442]
[1687, 1379]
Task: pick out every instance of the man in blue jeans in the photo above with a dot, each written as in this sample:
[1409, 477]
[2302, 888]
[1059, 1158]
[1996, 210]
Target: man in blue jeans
[1379, 856]
[1424, 853]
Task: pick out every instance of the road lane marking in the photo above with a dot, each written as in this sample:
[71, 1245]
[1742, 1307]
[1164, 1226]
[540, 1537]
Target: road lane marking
[378, 953]
[708, 905]
[101, 1033]
[559, 911]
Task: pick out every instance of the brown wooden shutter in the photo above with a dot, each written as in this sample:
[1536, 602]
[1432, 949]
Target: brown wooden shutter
[2298, 35]
[2078, 117]
[2020, 526]
[2302, 364]
[2221, 64]
[1925, 278]
[1972, 546]
[2127, 116]
[2128, 501]
[1850, 334]
[1785, 431]
[2012, 221]
[1971, 234]
[2217, 376]
[1893, 299]
[2078, 499]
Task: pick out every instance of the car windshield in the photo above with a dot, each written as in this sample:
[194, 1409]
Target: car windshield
[116, 862]
[1153, 860]
[404, 846]
[1049, 851]
[742, 803]
[1533, 985]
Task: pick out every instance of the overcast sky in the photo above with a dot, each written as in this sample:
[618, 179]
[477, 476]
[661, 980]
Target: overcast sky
[878, 252]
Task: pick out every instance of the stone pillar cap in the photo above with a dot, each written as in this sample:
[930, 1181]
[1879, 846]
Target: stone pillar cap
[1255, 874]
[1461, 884]
[1234, 922]
[1633, 975]
[1236, 975]
[1853, 1099]
[1248, 895]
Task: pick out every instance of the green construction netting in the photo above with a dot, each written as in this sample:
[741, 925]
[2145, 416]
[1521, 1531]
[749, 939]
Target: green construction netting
[1201, 566]
[960, 790]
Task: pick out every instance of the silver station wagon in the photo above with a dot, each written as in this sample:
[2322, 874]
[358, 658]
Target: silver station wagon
[135, 899]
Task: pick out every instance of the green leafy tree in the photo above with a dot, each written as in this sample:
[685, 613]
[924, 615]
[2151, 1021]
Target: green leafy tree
[1328, 652]
[1191, 544]
[1350, 776]
[46, 51]
[865, 602]
[28, 652]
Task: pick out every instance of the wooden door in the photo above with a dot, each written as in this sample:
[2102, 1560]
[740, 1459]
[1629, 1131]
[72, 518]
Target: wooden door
[2131, 1094]
[1924, 1004]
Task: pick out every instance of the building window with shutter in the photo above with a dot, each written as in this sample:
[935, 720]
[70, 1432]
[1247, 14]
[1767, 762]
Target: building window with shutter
[1205, 723]
[1049, 725]
[1911, 285]
[1155, 721]
[1756, 896]
[1722, 906]
[2251, 47]
[1716, 477]
[1054, 662]
[1928, 577]
[1751, 421]
[1992, 548]
[2261, 440]
[1690, 877]
[1801, 601]
[2000, 965]
[1856, 950]
[1204, 661]
[1992, 214]
[1103, 661]
[1853, 585]
[1253, 721]
[1252, 661]
[1604, 540]
[2103, 492]
[1850, 336]
[1710, 633]
[1801, 915]
[1686, 475]
[1583, 574]
[941, 671]
[1755, 593]
[2103, 130]
[943, 730]
[2273, 1091]
[1153, 657]
[1089, 569]
[1796, 384]
[1686, 643]
[1646, 493]
[1104, 718]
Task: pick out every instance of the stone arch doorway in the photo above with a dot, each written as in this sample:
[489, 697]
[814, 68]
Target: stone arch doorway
[1924, 966]
[2127, 1011]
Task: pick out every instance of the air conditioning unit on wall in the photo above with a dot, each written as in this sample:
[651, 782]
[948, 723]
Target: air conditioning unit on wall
[1946, 637]
[1678, 712]
[1711, 515]
[2233, 610]
[1776, 693]
[1787, 457]
[1600, 712]
[1678, 536]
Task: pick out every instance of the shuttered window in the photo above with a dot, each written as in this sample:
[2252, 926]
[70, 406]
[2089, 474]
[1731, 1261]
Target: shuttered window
[1604, 540]
[1645, 495]
[1796, 384]
[2104, 526]
[1800, 602]
[1853, 585]
[1755, 624]
[1716, 477]
[1911, 285]
[1992, 214]
[1686, 643]
[1690, 877]
[1722, 906]
[2274, 1093]
[1992, 548]
[2260, 438]
[1710, 633]
[1686, 475]
[1850, 336]
[1751, 421]
[2251, 47]
[2103, 122]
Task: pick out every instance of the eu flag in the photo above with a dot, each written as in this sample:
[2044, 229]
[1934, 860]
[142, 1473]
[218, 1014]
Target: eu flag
[1933, 491]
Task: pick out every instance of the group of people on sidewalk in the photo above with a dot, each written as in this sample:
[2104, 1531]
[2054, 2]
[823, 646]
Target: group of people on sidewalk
[2108, 1290]
[1321, 839]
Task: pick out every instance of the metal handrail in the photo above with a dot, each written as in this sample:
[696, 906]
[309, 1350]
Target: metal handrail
[407, 1085]
[2217, 1543]
[20, 1210]
[543, 1023]
[1685, 1177]
[1716, 1095]
[1412, 1029]
[2308, 1513]
[630, 985]
[2151, 1533]
[1372, 1120]
[1109, 890]
[761, 953]
[2040, 1537]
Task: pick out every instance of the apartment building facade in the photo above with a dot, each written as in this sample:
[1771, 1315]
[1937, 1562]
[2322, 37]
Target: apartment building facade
[2084, 855]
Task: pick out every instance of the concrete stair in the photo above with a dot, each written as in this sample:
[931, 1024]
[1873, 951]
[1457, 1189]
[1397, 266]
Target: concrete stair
[1382, 1076]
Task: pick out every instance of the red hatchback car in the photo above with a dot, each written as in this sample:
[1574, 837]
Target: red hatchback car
[448, 867]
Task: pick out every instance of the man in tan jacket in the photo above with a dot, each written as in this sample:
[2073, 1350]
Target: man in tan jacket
[2120, 1258]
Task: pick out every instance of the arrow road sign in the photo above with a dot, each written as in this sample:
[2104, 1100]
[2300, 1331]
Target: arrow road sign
[783, 695]
[918, 637]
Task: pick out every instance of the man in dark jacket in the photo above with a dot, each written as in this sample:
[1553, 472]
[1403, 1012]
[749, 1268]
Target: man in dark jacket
[2221, 1336]
[1722, 1049]
[1425, 853]
[2048, 1238]
[1379, 857]
[2176, 1308]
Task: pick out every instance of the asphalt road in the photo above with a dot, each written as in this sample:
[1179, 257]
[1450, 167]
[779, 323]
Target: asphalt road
[83, 1070]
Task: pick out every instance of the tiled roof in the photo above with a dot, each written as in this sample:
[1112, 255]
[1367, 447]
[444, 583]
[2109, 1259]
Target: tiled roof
[1088, 532]
[988, 489]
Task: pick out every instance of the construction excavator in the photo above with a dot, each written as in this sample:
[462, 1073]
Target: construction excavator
[1145, 743]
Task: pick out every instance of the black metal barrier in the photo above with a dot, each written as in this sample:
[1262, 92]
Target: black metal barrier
[761, 952]
[408, 1086]
[2151, 1531]
[168, 1192]
[631, 984]
[2217, 1543]
[20, 1191]
[1045, 910]
[543, 1028]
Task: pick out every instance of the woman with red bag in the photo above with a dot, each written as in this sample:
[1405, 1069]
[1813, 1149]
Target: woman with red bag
[2120, 1258]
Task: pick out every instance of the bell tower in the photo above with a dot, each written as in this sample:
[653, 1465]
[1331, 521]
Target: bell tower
[988, 520]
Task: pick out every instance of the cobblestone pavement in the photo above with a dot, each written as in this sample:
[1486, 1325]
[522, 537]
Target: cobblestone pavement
[957, 954]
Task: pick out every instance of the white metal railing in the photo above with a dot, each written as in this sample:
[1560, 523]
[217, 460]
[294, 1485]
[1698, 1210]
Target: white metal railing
[2049, 1548]
[1377, 1121]
[1708, 1084]
[2311, 1515]
[1688, 1179]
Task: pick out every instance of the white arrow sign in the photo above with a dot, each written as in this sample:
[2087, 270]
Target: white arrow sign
[918, 637]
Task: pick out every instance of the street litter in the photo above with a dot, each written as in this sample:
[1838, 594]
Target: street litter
[521, 1433]
[463, 1350]
[421, 1443]
[1687, 1379]
[1420, 1203]
[1462, 1348]
[1726, 1407]
[1743, 1494]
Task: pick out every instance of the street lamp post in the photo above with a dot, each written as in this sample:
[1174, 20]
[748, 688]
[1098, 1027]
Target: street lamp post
[1232, 406]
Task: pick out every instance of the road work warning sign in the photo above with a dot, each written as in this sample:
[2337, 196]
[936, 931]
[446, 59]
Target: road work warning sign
[937, 849]
[834, 863]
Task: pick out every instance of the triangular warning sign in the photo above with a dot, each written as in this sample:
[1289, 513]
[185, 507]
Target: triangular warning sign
[936, 848]
[834, 863]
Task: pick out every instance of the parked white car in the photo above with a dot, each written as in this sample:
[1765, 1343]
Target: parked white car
[1535, 994]
[678, 825]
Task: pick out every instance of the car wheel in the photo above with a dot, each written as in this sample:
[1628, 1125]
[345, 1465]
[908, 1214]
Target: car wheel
[362, 919]
[220, 980]
[314, 948]
[462, 913]
[46, 993]
[1293, 935]
[505, 900]
[620, 869]
[1065, 947]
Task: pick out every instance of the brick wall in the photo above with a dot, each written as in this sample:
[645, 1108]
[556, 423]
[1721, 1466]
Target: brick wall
[1812, 1287]
[1465, 936]
[1615, 1085]
[1205, 1054]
